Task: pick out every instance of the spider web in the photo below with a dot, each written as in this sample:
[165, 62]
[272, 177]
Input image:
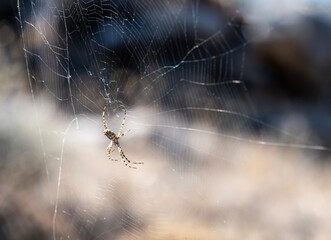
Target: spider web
[177, 68]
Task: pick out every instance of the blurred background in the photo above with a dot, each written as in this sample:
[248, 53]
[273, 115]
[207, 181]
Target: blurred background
[228, 106]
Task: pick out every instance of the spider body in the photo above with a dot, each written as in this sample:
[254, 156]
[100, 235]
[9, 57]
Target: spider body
[115, 141]
[112, 136]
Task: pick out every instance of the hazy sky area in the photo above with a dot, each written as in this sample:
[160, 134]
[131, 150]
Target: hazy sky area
[262, 14]
[278, 9]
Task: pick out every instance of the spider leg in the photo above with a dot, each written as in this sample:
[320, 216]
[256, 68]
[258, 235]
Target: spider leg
[119, 136]
[109, 151]
[126, 161]
[103, 116]
[119, 133]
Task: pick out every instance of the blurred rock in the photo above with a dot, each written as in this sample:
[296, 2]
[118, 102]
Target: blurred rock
[289, 74]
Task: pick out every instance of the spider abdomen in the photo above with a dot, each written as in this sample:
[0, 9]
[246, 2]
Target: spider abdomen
[111, 136]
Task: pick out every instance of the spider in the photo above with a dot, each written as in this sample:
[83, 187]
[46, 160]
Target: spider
[114, 140]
